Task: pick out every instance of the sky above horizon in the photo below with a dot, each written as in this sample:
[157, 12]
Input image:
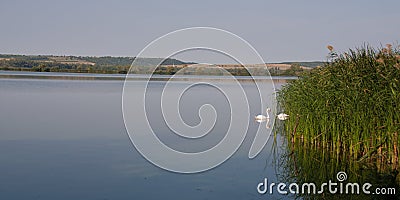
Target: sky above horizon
[278, 30]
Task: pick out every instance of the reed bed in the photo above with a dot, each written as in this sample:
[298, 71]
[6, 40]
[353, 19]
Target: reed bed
[350, 107]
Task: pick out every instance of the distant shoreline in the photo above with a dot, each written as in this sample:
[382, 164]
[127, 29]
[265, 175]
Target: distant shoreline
[121, 77]
[121, 65]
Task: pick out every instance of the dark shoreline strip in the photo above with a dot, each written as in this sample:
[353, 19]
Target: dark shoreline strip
[24, 76]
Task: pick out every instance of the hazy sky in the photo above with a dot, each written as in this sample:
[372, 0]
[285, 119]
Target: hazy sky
[279, 30]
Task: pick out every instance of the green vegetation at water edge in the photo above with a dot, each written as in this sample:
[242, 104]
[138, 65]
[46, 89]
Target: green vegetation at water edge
[350, 107]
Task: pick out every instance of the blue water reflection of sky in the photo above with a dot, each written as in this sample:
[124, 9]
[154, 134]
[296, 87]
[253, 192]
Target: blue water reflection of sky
[65, 139]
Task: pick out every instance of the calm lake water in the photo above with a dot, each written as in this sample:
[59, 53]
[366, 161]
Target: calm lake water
[65, 139]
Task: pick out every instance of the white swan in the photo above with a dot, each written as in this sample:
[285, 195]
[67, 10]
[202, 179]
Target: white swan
[283, 116]
[261, 118]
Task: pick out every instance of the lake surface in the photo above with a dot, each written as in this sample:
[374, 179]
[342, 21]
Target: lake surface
[65, 139]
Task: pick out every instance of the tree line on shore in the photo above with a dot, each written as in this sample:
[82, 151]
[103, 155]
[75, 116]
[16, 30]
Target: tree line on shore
[121, 65]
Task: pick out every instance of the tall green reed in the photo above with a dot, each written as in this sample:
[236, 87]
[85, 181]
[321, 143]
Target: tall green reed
[349, 107]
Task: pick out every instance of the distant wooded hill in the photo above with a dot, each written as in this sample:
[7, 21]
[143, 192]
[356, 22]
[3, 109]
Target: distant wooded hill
[108, 64]
[90, 60]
